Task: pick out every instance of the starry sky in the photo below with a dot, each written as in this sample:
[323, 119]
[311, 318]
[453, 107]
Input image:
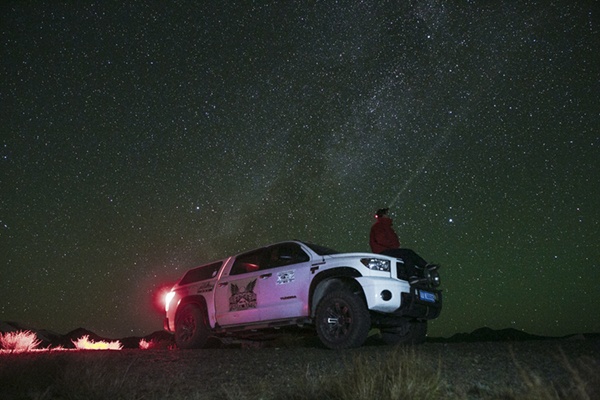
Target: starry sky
[139, 139]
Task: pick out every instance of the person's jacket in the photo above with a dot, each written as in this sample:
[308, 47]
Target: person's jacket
[383, 237]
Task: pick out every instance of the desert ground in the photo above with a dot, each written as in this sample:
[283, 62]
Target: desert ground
[481, 370]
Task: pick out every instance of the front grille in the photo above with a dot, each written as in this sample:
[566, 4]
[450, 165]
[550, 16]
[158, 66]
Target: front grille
[404, 271]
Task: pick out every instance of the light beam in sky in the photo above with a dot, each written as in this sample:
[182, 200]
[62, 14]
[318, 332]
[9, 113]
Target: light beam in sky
[426, 159]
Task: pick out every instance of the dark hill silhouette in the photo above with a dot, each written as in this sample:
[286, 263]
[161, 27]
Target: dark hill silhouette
[486, 334]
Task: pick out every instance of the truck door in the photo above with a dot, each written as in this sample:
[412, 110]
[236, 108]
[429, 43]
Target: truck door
[237, 294]
[284, 282]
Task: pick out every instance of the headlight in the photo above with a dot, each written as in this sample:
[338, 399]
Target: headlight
[376, 264]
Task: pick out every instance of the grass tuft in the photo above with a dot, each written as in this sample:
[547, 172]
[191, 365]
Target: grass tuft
[84, 343]
[19, 342]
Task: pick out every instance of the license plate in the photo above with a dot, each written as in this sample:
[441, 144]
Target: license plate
[427, 296]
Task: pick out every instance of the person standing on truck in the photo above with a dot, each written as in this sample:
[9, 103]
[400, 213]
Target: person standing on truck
[384, 240]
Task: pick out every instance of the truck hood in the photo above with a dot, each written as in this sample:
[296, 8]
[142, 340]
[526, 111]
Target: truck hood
[356, 255]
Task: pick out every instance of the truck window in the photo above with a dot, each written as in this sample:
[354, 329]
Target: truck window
[202, 273]
[248, 262]
[285, 254]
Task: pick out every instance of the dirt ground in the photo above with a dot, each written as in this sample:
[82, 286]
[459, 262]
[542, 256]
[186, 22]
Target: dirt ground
[474, 369]
[480, 366]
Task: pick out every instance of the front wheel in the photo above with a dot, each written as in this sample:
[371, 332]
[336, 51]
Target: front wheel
[342, 320]
[191, 327]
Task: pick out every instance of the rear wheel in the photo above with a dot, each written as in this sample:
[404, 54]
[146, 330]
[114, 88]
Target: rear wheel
[191, 328]
[413, 332]
[342, 320]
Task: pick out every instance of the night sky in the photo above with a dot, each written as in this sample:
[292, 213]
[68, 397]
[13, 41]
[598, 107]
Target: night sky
[139, 139]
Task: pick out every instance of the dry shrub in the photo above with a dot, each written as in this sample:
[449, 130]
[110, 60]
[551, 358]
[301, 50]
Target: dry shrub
[84, 343]
[18, 342]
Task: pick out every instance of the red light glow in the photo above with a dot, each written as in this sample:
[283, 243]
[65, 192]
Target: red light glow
[168, 297]
[160, 297]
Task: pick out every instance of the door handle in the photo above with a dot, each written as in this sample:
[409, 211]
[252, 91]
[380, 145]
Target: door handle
[221, 284]
[265, 276]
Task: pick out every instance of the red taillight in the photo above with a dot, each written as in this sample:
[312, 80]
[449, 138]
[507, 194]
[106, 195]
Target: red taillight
[168, 297]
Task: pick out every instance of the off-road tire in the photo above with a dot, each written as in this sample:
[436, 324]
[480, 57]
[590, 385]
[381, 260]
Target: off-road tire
[191, 327]
[415, 333]
[342, 320]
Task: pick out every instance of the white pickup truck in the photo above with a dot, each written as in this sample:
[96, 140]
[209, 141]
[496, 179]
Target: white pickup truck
[342, 295]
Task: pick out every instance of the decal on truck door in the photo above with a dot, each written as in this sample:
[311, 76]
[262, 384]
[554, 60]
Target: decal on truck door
[244, 299]
[286, 277]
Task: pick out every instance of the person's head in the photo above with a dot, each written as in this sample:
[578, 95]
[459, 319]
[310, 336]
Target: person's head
[382, 213]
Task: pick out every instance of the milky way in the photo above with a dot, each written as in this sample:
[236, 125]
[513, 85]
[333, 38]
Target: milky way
[139, 140]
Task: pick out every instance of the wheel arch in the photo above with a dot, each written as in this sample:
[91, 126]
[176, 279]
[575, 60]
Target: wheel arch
[197, 300]
[192, 327]
[333, 279]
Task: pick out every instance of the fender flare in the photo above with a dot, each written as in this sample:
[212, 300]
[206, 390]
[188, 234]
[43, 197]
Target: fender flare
[329, 280]
[199, 300]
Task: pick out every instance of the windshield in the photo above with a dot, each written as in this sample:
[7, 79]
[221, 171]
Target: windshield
[321, 250]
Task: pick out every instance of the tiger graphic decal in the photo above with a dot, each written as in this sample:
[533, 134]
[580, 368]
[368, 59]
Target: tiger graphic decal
[242, 300]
